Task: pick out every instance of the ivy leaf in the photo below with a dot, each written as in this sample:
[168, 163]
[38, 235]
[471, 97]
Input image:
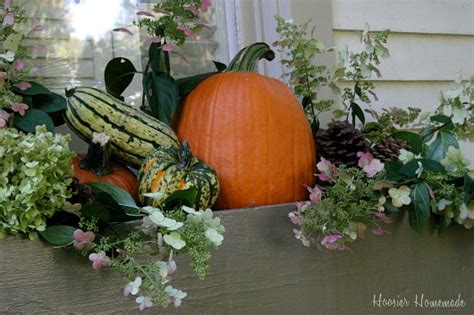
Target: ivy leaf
[35, 89]
[185, 197]
[58, 235]
[118, 75]
[118, 195]
[162, 95]
[419, 215]
[357, 112]
[32, 118]
[414, 140]
[438, 148]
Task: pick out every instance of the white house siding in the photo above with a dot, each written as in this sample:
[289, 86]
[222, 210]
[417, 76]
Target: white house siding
[431, 41]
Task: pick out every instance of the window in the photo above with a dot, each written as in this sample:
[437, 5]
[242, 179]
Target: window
[80, 41]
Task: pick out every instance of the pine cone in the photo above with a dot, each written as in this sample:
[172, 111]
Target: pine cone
[388, 149]
[340, 142]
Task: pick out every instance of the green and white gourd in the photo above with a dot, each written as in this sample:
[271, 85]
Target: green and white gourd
[133, 134]
[170, 169]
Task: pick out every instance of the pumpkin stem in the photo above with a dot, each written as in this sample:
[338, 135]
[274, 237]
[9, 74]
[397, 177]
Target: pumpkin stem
[185, 155]
[98, 158]
[248, 58]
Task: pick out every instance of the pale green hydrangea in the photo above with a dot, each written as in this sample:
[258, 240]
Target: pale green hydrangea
[455, 162]
[34, 181]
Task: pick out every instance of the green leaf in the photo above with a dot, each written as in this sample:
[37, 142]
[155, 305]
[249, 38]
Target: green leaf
[414, 140]
[432, 165]
[32, 118]
[393, 171]
[96, 210]
[57, 118]
[162, 95]
[357, 112]
[409, 169]
[185, 197]
[468, 188]
[50, 102]
[441, 119]
[390, 207]
[438, 148]
[12, 41]
[35, 89]
[118, 195]
[186, 85]
[58, 235]
[219, 65]
[118, 75]
[419, 215]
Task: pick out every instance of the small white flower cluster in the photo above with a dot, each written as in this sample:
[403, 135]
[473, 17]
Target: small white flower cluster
[168, 231]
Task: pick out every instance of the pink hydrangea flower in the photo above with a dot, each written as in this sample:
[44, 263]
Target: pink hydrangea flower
[145, 13]
[299, 236]
[155, 39]
[99, 260]
[373, 168]
[144, 302]
[187, 31]
[82, 239]
[205, 4]
[315, 194]
[133, 287]
[194, 11]
[368, 164]
[294, 218]
[9, 19]
[327, 170]
[329, 241]
[364, 158]
[7, 4]
[169, 47]
[382, 216]
[37, 28]
[123, 30]
[4, 116]
[19, 65]
[20, 108]
[23, 85]
[378, 231]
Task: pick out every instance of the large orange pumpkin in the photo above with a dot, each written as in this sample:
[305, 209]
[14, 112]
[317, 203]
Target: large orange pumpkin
[97, 167]
[251, 129]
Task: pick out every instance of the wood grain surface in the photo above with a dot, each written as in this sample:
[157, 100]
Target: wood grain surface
[260, 269]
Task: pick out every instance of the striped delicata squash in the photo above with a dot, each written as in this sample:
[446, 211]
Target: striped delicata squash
[133, 134]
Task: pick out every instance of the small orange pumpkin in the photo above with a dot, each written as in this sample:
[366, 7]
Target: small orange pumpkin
[252, 131]
[97, 167]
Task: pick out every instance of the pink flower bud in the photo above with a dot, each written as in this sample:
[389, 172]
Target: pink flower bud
[83, 239]
[99, 260]
[23, 85]
[20, 108]
[19, 65]
[9, 19]
[123, 30]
